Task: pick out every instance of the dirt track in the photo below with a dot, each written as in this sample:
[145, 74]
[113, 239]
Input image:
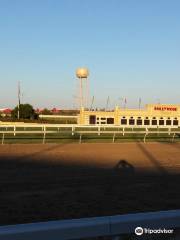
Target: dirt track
[45, 182]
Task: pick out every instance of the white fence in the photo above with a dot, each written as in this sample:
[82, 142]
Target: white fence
[114, 131]
[58, 116]
[112, 226]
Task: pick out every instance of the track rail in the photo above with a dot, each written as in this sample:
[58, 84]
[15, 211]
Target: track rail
[64, 129]
[112, 226]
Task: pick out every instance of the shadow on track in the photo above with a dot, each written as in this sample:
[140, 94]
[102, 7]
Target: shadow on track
[33, 191]
[153, 160]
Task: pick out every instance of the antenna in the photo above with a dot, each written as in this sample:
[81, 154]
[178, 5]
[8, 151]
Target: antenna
[139, 103]
[107, 103]
[92, 103]
[120, 100]
[158, 101]
[125, 102]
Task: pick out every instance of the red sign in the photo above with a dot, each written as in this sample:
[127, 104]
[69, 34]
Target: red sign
[162, 108]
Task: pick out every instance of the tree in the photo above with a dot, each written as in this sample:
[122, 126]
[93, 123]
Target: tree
[26, 111]
[45, 111]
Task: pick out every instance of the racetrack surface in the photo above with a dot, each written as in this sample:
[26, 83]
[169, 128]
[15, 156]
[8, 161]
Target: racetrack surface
[62, 181]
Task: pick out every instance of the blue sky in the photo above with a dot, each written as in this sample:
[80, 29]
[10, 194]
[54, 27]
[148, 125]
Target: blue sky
[131, 47]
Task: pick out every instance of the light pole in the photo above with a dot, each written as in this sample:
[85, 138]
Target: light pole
[19, 98]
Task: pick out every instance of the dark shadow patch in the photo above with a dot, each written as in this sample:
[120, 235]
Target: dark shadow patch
[124, 168]
[153, 160]
[33, 191]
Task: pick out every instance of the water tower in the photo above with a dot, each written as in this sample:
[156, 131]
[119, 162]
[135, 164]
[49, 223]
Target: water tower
[82, 75]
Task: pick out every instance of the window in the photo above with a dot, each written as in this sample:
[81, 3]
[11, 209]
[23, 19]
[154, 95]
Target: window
[123, 121]
[92, 119]
[161, 122]
[154, 122]
[110, 120]
[139, 122]
[146, 122]
[131, 121]
[175, 122]
[168, 122]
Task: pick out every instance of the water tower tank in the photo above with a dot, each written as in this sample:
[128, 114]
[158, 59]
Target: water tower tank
[82, 73]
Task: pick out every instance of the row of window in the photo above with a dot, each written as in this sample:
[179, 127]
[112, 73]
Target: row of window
[131, 121]
[106, 121]
[149, 122]
[150, 118]
[102, 120]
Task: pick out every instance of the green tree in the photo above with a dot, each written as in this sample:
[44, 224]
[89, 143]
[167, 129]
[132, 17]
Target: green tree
[45, 111]
[26, 111]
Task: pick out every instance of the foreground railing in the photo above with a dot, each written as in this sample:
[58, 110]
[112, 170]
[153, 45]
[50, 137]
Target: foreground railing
[112, 226]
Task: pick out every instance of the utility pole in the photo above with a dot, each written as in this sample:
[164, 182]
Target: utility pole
[19, 98]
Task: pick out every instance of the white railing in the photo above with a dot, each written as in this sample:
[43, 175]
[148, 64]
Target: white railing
[58, 116]
[72, 129]
[92, 227]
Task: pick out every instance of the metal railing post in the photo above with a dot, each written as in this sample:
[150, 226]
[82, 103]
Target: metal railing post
[114, 137]
[72, 130]
[144, 138]
[99, 130]
[14, 130]
[169, 131]
[145, 135]
[173, 137]
[80, 137]
[44, 135]
[3, 138]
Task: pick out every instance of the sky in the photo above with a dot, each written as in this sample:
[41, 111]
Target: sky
[131, 48]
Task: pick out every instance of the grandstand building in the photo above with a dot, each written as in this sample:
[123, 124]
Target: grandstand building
[155, 115]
